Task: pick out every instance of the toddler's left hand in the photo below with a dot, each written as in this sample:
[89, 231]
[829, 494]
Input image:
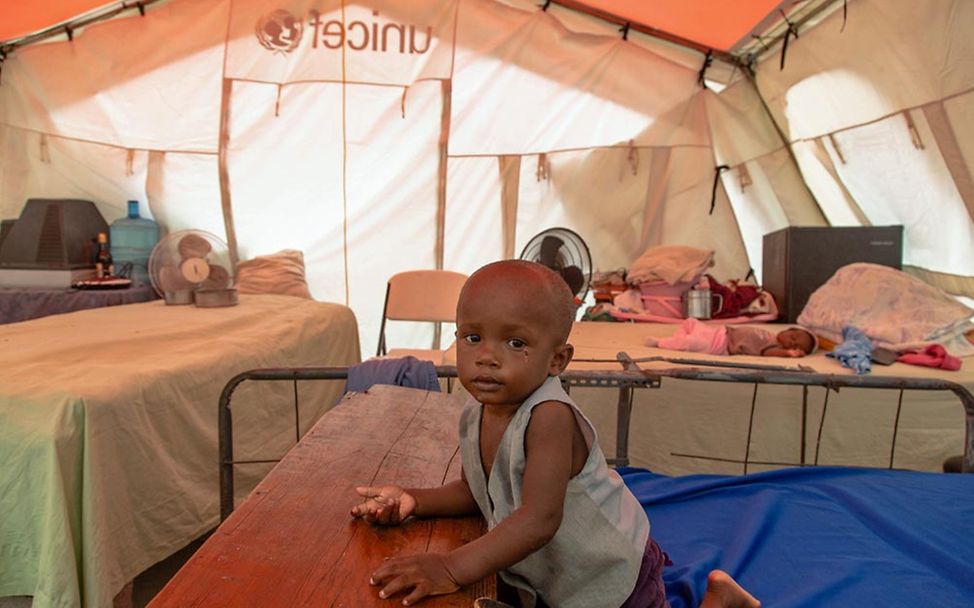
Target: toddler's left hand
[426, 574]
[796, 352]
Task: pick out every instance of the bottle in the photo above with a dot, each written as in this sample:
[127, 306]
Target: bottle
[133, 238]
[104, 266]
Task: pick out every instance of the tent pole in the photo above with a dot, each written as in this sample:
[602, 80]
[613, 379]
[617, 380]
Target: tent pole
[510, 176]
[750, 76]
[446, 86]
[224, 173]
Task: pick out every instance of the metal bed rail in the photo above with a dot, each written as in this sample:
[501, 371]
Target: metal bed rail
[626, 379]
[805, 377]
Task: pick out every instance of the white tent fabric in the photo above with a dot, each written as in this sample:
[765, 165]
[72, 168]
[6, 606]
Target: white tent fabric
[382, 137]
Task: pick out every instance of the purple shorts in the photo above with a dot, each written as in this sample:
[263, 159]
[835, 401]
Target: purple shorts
[649, 591]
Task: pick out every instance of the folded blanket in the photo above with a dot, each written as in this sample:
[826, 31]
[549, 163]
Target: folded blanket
[671, 263]
[855, 352]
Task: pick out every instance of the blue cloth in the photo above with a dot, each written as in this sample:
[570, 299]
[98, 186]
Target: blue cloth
[855, 352]
[401, 371]
[814, 537]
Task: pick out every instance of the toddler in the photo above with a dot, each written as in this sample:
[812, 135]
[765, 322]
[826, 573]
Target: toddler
[698, 337]
[563, 529]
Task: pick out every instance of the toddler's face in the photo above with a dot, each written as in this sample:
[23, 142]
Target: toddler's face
[506, 347]
[796, 338]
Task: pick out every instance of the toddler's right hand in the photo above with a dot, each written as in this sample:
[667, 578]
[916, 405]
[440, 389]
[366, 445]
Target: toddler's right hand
[385, 505]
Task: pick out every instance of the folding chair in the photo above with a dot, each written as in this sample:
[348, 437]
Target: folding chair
[421, 295]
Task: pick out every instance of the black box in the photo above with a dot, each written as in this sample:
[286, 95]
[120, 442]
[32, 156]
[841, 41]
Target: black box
[53, 234]
[800, 259]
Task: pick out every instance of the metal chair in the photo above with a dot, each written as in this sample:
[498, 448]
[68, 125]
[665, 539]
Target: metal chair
[421, 295]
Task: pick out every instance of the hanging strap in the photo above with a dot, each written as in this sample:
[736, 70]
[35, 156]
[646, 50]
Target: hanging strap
[543, 171]
[713, 195]
[707, 61]
[791, 31]
[744, 176]
[402, 102]
[914, 133]
[632, 157]
[45, 153]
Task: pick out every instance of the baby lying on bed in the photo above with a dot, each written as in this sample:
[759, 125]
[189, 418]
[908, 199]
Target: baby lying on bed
[697, 337]
[564, 530]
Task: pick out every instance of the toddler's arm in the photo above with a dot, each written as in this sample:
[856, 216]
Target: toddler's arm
[427, 573]
[548, 468]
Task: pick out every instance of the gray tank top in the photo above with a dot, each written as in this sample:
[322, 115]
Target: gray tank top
[594, 558]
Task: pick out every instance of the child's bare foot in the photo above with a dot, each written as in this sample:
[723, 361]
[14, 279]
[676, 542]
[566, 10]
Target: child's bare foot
[724, 592]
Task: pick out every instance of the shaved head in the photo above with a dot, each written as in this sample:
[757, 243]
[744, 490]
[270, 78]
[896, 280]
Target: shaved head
[531, 283]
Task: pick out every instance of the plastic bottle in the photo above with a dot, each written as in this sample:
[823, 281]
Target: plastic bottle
[133, 238]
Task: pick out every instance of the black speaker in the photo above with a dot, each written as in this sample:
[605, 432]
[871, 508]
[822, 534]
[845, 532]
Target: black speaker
[800, 259]
[53, 234]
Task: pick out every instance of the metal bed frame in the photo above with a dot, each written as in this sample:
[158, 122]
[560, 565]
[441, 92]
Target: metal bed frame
[631, 376]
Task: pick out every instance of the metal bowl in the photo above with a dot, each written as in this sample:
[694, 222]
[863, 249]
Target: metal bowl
[215, 298]
[180, 296]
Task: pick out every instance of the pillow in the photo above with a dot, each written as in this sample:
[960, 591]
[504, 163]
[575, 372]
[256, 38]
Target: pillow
[280, 273]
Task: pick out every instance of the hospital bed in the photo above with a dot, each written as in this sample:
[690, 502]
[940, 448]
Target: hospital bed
[798, 537]
[705, 418]
[108, 433]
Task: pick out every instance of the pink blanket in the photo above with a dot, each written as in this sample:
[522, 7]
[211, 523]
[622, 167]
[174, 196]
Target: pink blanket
[696, 337]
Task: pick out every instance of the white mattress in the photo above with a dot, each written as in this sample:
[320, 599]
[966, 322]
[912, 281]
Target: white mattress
[108, 430]
[712, 418]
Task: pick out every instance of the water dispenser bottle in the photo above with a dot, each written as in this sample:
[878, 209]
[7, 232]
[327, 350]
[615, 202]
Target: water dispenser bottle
[132, 240]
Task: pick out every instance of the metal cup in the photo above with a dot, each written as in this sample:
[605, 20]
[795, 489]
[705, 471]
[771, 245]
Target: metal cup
[700, 304]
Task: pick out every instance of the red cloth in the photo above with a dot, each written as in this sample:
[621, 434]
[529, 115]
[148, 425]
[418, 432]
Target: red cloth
[932, 355]
[736, 296]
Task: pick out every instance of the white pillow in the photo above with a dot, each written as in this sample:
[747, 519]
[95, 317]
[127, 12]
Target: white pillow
[280, 273]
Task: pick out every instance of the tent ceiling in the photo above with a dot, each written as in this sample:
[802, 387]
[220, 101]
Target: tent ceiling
[716, 24]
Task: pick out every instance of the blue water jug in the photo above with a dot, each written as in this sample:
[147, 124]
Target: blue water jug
[132, 240]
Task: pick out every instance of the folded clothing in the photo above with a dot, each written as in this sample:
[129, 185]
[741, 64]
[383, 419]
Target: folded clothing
[855, 351]
[398, 371]
[670, 263]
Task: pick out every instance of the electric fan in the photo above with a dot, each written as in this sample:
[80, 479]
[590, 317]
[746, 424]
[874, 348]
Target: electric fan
[192, 265]
[563, 251]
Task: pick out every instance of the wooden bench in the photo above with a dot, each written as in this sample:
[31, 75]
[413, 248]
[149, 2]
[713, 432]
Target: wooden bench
[292, 542]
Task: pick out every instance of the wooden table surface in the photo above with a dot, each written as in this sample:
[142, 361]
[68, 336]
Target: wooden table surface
[292, 542]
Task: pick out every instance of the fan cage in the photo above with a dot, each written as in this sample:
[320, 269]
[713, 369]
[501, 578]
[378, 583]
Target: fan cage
[572, 252]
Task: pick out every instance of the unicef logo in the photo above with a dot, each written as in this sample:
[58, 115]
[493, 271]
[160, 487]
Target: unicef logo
[279, 31]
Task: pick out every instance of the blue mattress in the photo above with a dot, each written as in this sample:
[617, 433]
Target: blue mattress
[814, 537]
